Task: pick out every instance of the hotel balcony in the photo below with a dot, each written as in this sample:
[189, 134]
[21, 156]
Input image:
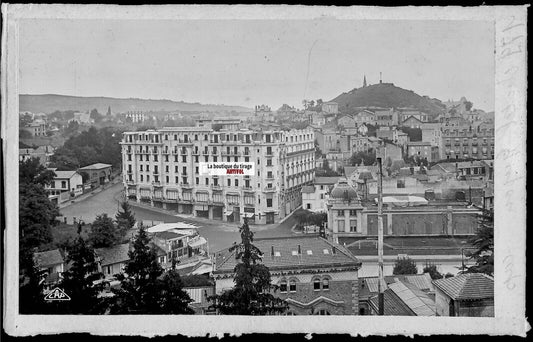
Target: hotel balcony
[216, 187]
[175, 152]
[474, 144]
[183, 141]
[247, 188]
[205, 153]
[166, 151]
[196, 153]
[157, 184]
[186, 185]
[183, 152]
[130, 182]
[267, 189]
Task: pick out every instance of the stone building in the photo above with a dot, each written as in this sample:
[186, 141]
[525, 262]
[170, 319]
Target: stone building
[314, 275]
[162, 168]
[350, 216]
[469, 294]
[468, 141]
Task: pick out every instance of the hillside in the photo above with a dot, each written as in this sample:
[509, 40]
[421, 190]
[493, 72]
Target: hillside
[386, 95]
[49, 103]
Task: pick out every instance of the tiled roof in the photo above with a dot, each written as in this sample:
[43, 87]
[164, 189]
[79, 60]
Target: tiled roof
[326, 180]
[467, 286]
[308, 189]
[315, 252]
[113, 255]
[348, 170]
[64, 174]
[168, 235]
[392, 305]
[49, 258]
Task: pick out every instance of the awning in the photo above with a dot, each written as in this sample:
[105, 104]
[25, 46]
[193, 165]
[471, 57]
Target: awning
[201, 207]
[198, 242]
[248, 215]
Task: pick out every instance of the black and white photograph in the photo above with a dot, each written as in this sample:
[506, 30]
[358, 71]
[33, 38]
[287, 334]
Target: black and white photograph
[220, 163]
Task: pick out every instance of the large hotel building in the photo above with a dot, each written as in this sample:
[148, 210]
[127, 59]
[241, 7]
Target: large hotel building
[162, 168]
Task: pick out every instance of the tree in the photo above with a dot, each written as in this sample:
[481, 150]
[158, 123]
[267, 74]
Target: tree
[109, 111]
[72, 127]
[468, 105]
[173, 299]
[97, 117]
[25, 134]
[25, 120]
[143, 290]
[37, 214]
[433, 272]
[103, 232]
[78, 281]
[405, 265]
[138, 284]
[483, 243]
[251, 294]
[125, 219]
[31, 285]
[367, 158]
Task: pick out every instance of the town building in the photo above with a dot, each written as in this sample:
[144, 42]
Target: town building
[365, 117]
[468, 294]
[401, 298]
[346, 121]
[162, 168]
[314, 275]
[468, 141]
[37, 128]
[423, 150]
[406, 113]
[386, 117]
[82, 118]
[64, 186]
[314, 197]
[264, 113]
[99, 173]
[330, 107]
[221, 123]
[43, 153]
[412, 122]
[349, 215]
[52, 264]
[112, 260]
[135, 116]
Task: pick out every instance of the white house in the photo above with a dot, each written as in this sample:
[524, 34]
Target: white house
[64, 184]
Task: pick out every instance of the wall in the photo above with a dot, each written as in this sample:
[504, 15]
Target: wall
[475, 308]
[442, 303]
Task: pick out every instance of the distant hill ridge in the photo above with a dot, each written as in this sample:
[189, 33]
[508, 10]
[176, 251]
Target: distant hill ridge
[49, 103]
[386, 95]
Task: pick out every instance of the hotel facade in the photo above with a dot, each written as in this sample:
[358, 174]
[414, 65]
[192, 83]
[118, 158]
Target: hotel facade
[162, 168]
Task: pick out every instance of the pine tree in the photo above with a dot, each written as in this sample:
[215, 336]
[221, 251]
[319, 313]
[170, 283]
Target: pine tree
[103, 232]
[405, 265]
[78, 281]
[433, 272]
[483, 242]
[31, 296]
[125, 219]
[173, 299]
[251, 294]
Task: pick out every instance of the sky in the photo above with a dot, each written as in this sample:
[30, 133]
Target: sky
[251, 62]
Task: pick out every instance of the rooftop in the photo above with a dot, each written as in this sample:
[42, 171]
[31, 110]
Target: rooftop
[326, 180]
[113, 255]
[49, 258]
[308, 189]
[315, 252]
[468, 286]
[64, 174]
[96, 166]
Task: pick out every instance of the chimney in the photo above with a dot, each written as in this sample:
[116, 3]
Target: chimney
[333, 250]
[272, 250]
[299, 250]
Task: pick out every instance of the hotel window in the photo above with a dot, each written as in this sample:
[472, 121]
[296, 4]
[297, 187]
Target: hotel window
[166, 158]
[292, 285]
[184, 170]
[215, 159]
[353, 225]
[197, 170]
[269, 162]
[166, 179]
[176, 159]
[353, 212]
[147, 168]
[184, 159]
[340, 225]
[325, 284]
[246, 159]
[140, 157]
[229, 182]
[340, 212]
[196, 159]
[236, 182]
[197, 181]
[283, 286]
[140, 167]
[269, 202]
[316, 284]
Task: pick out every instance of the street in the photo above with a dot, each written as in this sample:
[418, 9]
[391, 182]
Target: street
[219, 234]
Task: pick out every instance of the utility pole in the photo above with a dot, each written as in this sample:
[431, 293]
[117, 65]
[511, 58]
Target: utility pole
[380, 239]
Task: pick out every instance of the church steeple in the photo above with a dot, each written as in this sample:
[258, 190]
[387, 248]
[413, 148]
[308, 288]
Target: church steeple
[364, 81]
